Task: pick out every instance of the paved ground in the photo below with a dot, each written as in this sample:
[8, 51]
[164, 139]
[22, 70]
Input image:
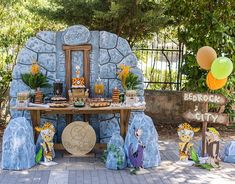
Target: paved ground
[89, 170]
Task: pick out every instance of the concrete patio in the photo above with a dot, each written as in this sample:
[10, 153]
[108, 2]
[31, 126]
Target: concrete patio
[89, 170]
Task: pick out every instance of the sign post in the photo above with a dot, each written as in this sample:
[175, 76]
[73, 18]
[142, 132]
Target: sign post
[205, 117]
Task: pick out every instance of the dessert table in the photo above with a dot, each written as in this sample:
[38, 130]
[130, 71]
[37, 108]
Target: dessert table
[124, 112]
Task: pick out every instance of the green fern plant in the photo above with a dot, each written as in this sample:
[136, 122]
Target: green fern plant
[132, 82]
[35, 81]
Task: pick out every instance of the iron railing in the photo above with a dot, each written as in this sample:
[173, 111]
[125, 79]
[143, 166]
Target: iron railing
[160, 60]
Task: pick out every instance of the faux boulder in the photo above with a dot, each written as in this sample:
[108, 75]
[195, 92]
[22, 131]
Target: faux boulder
[228, 154]
[116, 157]
[141, 143]
[18, 149]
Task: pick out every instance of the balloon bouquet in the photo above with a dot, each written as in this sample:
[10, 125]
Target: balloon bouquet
[219, 68]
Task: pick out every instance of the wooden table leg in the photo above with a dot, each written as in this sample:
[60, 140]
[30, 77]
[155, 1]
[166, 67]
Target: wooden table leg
[122, 123]
[124, 120]
[36, 117]
[127, 118]
[68, 118]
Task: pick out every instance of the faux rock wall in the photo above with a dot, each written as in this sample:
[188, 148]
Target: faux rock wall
[108, 51]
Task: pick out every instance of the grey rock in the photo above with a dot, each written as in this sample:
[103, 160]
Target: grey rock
[107, 40]
[61, 57]
[13, 102]
[51, 75]
[108, 71]
[108, 127]
[47, 36]
[137, 72]
[18, 149]
[27, 115]
[39, 46]
[148, 138]
[76, 35]
[16, 114]
[43, 71]
[115, 55]
[48, 61]
[95, 40]
[123, 46]
[26, 56]
[77, 58]
[104, 56]
[116, 157]
[114, 83]
[130, 60]
[94, 64]
[19, 70]
[16, 87]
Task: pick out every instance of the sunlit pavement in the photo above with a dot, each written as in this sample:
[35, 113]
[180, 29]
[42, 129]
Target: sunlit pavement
[91, 170]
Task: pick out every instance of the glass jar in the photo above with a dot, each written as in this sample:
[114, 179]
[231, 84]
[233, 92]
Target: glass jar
[99, 87]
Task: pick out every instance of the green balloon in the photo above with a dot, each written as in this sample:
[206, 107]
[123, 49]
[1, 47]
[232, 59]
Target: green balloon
[221, 68]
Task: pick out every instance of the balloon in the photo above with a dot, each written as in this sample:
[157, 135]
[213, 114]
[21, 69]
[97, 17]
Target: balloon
[213, 83]
[221, 68]
[205, 57]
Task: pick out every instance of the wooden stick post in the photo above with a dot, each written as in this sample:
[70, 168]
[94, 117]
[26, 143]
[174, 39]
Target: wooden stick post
[204, 128]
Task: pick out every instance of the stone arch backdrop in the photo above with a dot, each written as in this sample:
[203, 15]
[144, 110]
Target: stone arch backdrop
[108, 51]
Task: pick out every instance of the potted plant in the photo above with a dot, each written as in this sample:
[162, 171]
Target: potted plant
[130, 83]
[35, 80]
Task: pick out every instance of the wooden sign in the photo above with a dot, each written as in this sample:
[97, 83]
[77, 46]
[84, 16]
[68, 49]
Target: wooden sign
[208, 117]
[78, 138]
[204, 98]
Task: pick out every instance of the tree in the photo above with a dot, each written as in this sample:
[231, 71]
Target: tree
[18, 22]
[200, 23]
[132, 19]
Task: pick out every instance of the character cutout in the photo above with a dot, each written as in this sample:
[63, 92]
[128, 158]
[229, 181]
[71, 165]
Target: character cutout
[47, 133]
[212, 146]
[185, 133]
[136, 158]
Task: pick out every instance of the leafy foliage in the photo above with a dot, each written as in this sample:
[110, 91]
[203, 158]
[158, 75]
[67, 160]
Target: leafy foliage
[35, 81]
[200, 23]
[18, 23]
[132, 81]
[131, 19]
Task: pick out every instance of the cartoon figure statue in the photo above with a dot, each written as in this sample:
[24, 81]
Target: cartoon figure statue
[47, 133]
[185, 133]
[136, 158]
[212, 146]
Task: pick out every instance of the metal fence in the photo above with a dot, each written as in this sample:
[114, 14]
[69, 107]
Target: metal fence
[160, 61]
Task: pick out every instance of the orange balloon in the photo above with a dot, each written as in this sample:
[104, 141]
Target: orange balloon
[205, 57]
[213, 83]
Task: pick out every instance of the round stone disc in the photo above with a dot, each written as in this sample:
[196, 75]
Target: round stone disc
[78, 138]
